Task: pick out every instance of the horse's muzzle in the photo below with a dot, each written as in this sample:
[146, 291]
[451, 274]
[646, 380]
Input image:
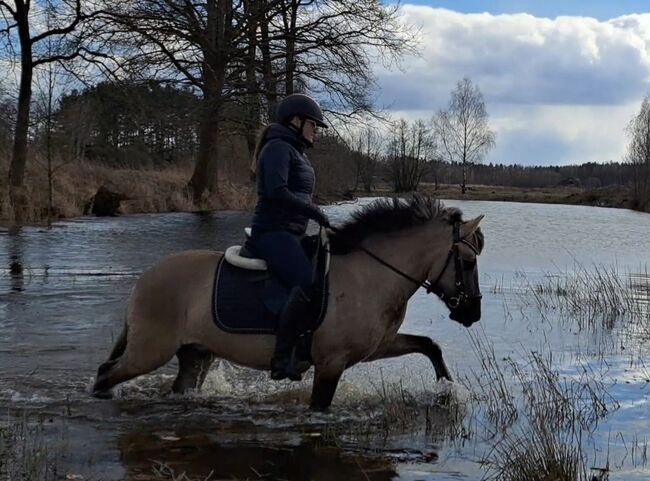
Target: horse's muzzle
[467, 313]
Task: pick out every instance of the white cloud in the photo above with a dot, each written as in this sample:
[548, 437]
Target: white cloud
[562, 88]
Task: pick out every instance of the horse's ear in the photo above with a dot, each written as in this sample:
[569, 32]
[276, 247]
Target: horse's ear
[469, 227]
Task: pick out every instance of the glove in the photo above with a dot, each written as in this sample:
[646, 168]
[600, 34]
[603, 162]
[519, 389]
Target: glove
[320, 217]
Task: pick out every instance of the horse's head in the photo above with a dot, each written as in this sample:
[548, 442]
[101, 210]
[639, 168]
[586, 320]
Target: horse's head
[456, 283]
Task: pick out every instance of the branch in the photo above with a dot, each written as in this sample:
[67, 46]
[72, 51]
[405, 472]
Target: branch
[63, 30]
[8, 7]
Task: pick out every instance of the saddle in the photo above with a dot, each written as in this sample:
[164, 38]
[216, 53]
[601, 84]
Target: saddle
[248, 299]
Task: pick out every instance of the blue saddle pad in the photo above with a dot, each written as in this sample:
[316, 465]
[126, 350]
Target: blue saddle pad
[249, 302]
[239, 300]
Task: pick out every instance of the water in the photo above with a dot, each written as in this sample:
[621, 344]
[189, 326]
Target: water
[58, 319]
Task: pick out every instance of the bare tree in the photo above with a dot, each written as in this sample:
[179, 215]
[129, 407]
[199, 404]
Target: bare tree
[463, 128]
[194, 43]
[366, 147]
[411, 148]
[329, 47]
[252, 52]
[638, 153]
[24, 36]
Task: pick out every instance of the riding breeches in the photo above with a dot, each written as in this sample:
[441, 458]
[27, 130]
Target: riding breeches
[284, 256]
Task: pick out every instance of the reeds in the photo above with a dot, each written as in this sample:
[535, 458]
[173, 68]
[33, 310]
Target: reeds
[594, 298]
[24, 453]
[536, 421]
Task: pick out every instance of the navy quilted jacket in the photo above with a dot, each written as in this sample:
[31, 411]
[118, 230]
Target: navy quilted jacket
[285, 184]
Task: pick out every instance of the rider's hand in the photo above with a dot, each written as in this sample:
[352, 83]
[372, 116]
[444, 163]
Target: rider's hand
[321, 218]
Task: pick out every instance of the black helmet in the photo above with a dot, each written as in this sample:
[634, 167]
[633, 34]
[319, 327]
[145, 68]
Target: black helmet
[302, 106]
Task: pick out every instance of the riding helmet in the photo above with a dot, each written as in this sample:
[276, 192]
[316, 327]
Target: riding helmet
[300, 105]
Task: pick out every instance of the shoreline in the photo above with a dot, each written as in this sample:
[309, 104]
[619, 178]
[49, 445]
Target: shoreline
[241, 196]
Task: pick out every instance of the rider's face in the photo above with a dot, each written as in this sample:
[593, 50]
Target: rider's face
[309, 130]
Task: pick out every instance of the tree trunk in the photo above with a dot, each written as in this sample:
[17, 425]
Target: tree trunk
[19, 153]
[215, 59]
[205, 172]
[463, 185]
[252, 111]
[270, 81]
[290, 53]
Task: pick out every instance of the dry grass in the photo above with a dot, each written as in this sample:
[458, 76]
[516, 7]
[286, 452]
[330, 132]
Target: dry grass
[147, 191]
[24, 454]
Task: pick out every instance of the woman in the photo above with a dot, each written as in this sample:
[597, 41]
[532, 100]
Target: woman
[285, 184]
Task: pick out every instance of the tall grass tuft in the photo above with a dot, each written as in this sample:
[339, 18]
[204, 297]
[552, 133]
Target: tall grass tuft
[538, 418]
[595, 298]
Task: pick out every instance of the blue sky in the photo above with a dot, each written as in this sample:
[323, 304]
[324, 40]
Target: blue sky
[561, 79]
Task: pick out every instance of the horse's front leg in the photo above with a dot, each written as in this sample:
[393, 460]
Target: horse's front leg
[408, 344]
[326, 378]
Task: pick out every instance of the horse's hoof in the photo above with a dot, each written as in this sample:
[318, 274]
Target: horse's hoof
[102, 394]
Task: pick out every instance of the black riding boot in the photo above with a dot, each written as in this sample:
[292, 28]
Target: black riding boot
[294, 313]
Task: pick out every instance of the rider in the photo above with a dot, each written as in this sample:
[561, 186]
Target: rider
[285, 184]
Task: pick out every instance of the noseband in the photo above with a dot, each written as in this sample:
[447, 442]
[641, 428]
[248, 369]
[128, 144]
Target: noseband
[432, 287]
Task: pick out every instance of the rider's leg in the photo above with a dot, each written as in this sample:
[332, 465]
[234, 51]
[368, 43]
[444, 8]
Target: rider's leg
[286, 258]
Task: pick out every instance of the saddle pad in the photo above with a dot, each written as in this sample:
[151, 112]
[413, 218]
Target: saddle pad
[249, 302]
[239, 300]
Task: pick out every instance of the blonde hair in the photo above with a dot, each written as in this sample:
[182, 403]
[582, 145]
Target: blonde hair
[261, 142]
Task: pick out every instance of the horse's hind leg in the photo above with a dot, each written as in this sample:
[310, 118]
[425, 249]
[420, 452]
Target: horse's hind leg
[137, 357]
[408, 344]
[116, 353]
[193, 365]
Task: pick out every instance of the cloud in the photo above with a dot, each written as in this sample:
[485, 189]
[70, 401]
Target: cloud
[558, 90]
[519, 58]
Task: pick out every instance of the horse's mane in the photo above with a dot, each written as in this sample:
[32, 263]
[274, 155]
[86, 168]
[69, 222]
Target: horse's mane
[389, 215]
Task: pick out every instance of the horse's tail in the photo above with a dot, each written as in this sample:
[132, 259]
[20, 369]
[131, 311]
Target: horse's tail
[120, 345]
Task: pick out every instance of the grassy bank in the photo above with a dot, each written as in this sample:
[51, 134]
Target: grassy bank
[142, 191]
[164, 190]
[619, 197]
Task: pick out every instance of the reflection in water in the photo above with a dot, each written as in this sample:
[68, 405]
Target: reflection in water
[201, 454]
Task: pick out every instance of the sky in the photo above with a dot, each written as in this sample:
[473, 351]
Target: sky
[561, 79]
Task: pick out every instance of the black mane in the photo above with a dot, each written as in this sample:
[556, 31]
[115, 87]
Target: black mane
[389, 215]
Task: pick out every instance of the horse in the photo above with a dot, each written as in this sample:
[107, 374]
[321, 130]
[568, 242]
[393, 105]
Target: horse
[379, 259]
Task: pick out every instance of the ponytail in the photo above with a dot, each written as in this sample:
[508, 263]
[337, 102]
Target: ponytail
[261, 142]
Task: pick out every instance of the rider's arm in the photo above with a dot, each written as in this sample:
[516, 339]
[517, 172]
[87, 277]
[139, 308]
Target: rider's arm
[277, 160]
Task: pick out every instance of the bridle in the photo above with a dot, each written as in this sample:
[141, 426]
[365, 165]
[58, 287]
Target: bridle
[454, 302]
[433, 287]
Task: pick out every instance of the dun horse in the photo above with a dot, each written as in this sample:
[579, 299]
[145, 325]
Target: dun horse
[379, 259]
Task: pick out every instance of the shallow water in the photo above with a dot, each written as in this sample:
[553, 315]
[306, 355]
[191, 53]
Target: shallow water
[59, 316]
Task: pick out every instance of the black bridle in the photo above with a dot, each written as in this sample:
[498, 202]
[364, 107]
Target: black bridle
[432, 287]
[462, 296]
